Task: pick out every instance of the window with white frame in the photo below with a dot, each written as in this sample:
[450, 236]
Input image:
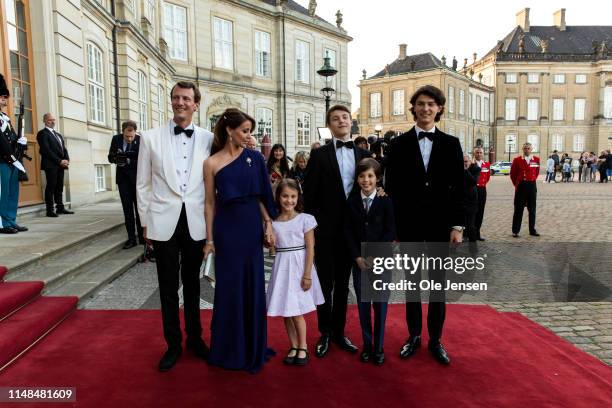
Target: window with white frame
[451, 131]
[581, 78]
[302, 62]
[510, 109]
[100, 178]
[558, 78]
[486, 107]
[451, 99]
[558, 108]
[557, 142]
[511, 143]
[471, 115]
[461, 102]
[578, 145]
[511, 78]
[95, 83]
[175, 30]
[608, 102]
[462, 138]
[224, 43]
[149, 10]
[375, 105]
[533, 108]
[263, 116]
[303, 129]
[161, 104]
[398, 102]
[533, 77]
[130, 5]
[262, 53]
[579, 108]
[535, 142]
[478, 107]
[142, 102]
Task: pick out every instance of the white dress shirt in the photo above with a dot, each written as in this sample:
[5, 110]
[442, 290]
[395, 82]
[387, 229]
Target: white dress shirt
[479, 163]
[346, 162]
[425, 144]
[527, 159]
[182, 149]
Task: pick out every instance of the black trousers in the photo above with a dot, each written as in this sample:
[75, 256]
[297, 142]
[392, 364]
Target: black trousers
[470, 222]
[525, 196]
[54, 188]
[482, 201]
[179, 254]
[334, 272]
[127, 192]
[436, 313]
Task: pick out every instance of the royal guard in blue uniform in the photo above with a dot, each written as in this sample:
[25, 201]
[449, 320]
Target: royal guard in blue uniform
[481, 188]
[524, 172]
[9, 167]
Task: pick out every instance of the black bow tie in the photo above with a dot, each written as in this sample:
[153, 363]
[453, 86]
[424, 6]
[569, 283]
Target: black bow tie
[429, 135]
[178, 130]
[348, 145]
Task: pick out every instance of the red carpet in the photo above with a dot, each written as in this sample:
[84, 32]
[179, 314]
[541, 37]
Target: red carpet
[498, 360]
[16, 294]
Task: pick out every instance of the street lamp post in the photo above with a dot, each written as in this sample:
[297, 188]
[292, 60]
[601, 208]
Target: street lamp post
[327, 71]
[509, 148]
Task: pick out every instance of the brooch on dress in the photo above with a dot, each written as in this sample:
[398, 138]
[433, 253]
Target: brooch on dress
[248, 160]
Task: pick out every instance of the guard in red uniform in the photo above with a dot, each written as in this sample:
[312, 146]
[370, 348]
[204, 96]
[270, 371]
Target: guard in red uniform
[524, 172]
[481, 188]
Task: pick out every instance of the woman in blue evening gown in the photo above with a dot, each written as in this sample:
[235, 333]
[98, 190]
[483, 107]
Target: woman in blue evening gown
[238, 211]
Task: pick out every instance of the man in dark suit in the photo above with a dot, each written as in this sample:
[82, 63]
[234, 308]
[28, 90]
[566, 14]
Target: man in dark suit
[329, 181]
[424, 177]
[54, 160]
[124, 153]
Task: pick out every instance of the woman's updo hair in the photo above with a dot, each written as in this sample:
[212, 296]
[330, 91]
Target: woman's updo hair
[232, 118]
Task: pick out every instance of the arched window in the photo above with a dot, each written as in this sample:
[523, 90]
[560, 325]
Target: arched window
[95, 83]
[263, 116]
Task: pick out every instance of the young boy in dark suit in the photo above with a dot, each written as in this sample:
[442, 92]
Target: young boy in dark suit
[369, 219]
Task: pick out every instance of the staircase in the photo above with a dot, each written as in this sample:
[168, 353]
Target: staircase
[53, 267]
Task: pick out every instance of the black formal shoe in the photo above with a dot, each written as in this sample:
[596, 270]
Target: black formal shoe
[8, 230]
[322, 346]
[169, 359]
[129, 244]
[515, 234]
[438, 352]
[64, 211]
[379, 357]
[289, 360]
[534, 234]
[410, 347]
[480, 239]
[198, 347]
[366, 354]
[301, 361]
[345, 344]
[51, 214]
[20, 228]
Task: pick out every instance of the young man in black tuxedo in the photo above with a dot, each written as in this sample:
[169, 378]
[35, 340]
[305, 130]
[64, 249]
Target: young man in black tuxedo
[369, 219]
[124, 153]
[54, 161]
[424, 177]
[330, 179]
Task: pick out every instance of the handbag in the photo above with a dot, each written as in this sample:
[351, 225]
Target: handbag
[207, 270]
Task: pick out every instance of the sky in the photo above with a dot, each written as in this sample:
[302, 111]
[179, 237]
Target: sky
[442, 27]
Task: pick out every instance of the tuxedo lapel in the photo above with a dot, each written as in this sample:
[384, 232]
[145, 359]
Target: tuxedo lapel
[435, 150]
[331, 156]
[413, 143]
[168, 158]
[197, 158]
[56, 143]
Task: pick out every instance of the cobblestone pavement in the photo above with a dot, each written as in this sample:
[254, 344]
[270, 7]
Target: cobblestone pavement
[566, 213]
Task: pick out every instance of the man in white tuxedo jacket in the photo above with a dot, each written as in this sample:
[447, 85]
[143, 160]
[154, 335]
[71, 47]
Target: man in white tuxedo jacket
[170, 194]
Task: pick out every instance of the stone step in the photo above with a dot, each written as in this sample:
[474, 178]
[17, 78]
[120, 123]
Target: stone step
[96, 275]
[56, 268]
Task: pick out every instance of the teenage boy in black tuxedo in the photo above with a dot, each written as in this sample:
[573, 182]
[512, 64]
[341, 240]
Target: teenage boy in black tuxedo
[329, 181]
[124, 153]
[424, 178]
[369, 219]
